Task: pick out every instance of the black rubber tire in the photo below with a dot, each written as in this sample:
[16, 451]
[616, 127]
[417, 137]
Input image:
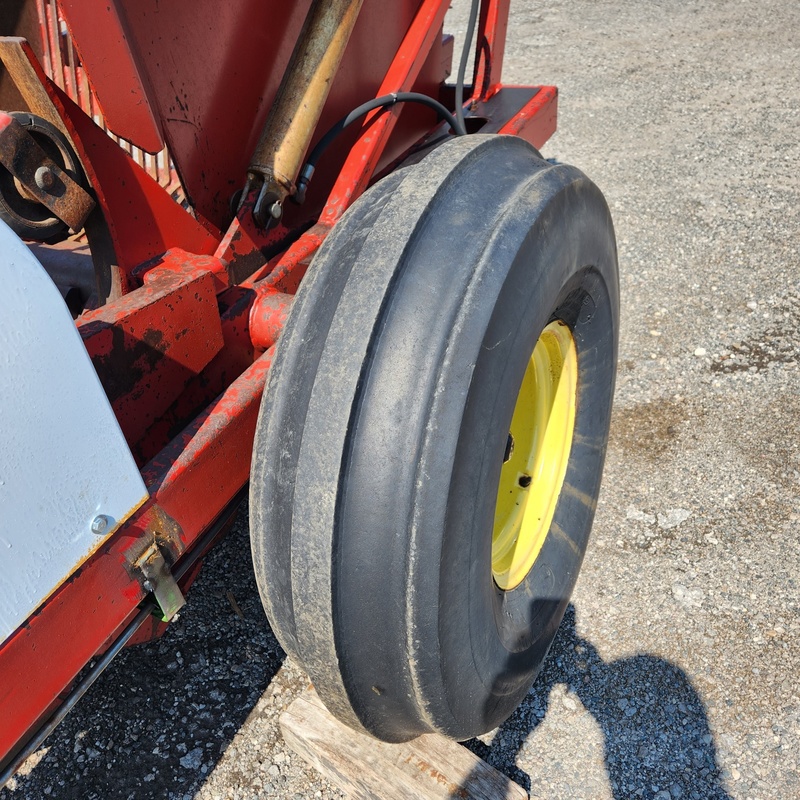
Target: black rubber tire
[384, 423]
[28, 218]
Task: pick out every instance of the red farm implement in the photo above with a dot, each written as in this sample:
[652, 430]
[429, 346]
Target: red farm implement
[306, 263]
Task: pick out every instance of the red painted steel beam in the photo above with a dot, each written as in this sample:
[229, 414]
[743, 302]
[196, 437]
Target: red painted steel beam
[44, 655]
[284, 272]
[536, 120]
[490, 47]
[406, 67]
[147, 345]
[192, 480]
[210, 461]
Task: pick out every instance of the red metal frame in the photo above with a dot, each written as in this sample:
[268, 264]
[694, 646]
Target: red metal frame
[185, 354]
[211, 98]
[131, 99]
[491, 46]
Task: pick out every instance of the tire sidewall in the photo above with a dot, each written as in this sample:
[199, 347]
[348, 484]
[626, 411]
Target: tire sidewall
[383, 426]
[559, 272]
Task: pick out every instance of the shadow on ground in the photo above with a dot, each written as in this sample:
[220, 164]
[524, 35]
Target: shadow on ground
[159, 719]
[656, 734]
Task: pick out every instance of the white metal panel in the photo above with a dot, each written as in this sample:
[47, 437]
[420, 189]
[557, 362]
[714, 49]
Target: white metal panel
[63, 458]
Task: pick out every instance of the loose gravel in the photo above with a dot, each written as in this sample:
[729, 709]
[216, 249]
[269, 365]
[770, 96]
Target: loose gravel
[675, 672]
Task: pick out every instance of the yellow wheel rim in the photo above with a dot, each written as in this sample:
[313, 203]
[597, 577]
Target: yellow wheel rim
[536, 456]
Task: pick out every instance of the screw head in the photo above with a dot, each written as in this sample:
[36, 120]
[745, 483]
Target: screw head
[100, 523]
[44, 178]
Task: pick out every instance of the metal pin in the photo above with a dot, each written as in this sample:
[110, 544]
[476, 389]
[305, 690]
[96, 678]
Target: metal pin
[44, 178]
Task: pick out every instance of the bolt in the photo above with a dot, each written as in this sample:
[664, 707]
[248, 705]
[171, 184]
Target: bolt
[44, 178]
[100, 523]
[275, 210]
[148, 586]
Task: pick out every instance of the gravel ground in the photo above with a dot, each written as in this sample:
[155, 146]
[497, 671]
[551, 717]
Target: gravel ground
[675, 672]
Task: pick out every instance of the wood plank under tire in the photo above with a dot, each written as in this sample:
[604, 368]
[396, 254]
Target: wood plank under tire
[430, 767]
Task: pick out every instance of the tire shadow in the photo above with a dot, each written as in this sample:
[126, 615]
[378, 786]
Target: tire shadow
[657, 741]
[160, 718]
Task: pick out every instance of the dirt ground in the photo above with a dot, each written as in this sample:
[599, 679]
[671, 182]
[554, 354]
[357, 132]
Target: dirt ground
[675, 672]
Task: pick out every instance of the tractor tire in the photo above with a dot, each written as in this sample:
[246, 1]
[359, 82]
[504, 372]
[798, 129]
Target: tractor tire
[432, 435]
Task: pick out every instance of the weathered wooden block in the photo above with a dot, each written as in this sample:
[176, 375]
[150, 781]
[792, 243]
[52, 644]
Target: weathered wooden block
[429, 768]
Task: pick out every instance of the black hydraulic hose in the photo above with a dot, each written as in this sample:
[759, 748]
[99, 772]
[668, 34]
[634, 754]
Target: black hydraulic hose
[384, 102]
[462, 66]
[387, 101]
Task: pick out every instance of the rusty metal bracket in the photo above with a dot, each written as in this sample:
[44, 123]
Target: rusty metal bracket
[159, 580]
[40, 177]
[149, 559]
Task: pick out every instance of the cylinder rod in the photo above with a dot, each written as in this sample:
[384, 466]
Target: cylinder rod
[299, 103]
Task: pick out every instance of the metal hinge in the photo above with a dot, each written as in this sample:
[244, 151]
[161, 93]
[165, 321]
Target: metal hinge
[159, 580]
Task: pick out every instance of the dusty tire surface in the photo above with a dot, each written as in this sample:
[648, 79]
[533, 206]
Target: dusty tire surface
[383, 429]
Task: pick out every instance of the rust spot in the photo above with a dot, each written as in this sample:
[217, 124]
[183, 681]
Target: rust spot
[155, 339]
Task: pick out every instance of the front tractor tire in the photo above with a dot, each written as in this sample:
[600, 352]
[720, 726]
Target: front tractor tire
[432, 436]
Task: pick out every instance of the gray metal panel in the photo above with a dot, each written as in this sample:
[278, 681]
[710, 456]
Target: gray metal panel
[63, 459]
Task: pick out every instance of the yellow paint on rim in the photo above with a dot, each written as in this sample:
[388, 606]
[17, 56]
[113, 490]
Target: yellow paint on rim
[536, 456]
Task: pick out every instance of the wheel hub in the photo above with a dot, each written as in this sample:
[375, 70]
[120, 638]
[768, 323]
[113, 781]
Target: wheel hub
[535, 465]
